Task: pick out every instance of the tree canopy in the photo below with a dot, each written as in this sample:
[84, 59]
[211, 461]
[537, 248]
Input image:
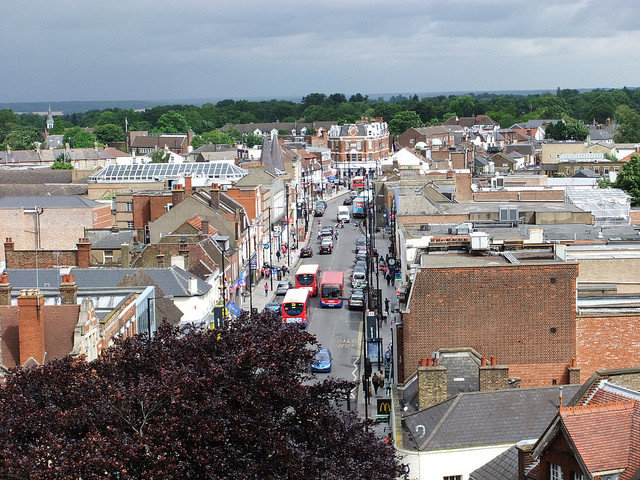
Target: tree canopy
[78, 137]
[226, 404]
[109, 133]
[402, 121]
[628, 178]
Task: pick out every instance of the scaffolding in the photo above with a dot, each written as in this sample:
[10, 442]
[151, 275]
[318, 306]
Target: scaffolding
[609, 206]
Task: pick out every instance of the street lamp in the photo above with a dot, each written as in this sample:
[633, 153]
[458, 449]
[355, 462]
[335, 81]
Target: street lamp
[222, 243]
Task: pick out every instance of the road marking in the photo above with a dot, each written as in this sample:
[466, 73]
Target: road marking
[356, 367]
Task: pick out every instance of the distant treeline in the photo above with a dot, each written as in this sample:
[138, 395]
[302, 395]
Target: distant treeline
[618, 105]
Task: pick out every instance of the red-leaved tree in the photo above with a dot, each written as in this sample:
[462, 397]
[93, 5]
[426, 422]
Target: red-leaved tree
[237, 403]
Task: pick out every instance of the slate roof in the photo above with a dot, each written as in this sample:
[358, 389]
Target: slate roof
[271, 155]
[485, 418]
[59, 325]
[177, 142]
[172, 280]
[503, 467]
[60, 201]
[110, 240]
[585, 173]
[41, 189]
[470, 121]
[267, 127]
[34, 175]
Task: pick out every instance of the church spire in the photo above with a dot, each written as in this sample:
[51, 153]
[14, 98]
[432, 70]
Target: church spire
[49, 119]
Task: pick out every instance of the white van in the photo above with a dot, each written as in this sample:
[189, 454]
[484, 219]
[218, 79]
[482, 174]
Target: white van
[343, 214]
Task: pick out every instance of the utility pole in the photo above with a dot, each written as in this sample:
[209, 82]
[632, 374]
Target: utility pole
[250, 279]
[270, 251]
[288, 227]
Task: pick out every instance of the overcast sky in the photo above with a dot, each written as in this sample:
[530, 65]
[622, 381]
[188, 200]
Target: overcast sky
[159, 49]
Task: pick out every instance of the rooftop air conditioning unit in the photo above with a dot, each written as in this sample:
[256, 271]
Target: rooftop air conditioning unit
[508, 213]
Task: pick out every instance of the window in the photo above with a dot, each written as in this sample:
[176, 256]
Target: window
[606, 170]
[129, 224]
[616, 169]
[578, 476]
[452, 477]
[371, 143]
[359, 145]
[129, 206]
[555, 472]
[95, 217]
[108, 256]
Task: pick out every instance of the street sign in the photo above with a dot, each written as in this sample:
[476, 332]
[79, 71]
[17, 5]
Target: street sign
[383, 411]
[266, 246]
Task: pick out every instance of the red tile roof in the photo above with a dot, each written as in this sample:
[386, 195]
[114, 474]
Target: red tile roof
[196, 222]
[601, 433]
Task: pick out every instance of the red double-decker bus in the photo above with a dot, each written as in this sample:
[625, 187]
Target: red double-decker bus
[332, 289]
[307, 276]
[357, 182]
[295, 307]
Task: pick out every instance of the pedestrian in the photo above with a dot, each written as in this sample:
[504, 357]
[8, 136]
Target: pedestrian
[335, 235]
[386, 305]
[385, 317]
[285, 270]
[278, 254]
[376, 383]
[266, 289]
[389, 278]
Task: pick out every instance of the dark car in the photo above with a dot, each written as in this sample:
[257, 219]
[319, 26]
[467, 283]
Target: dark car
[318, 212]
[282, 287]
[321, 361]
[326, 246]
[274, 307]
[347, 201]
[306, 252]
[356, 300]
[321, 203]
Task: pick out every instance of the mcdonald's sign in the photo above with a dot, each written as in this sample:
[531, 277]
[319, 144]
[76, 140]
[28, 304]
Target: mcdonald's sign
[384, 407]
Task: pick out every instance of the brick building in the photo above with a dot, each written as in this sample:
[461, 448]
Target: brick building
[358, 145]
[433, 136]
[522, 311]
[50, 223]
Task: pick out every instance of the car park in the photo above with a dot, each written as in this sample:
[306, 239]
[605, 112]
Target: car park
[356, 300]
[282, 287]
[322, 361]
[306, 252]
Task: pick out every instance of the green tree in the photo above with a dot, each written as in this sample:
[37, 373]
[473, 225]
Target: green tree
[403, 121]
[171, 122]
[22, 138]
[78, 137]
[313, 99]
[629, 178]
[109, 133]
[252, 139]
[463, 106]
[358, 97]
[61, 163]
[629, 125]
[160, 156]
[216, 137]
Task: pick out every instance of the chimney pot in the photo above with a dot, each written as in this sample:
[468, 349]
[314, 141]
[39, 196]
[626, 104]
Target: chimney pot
[483, 362]
[429, 362]
[573, 362]
[435, 362]
[494, 361]
[423, 362]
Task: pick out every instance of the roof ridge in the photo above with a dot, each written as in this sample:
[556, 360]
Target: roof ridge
[455, 400]
[615, 406]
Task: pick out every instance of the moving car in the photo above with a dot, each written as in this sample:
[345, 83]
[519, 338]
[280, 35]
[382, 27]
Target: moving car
[318, 212]
[274, 307]
[282, 287]
[353, 194]
[347, 201]
[326, 232]
[321, 361]
[356, 300]
[306, 252]
[326, 246]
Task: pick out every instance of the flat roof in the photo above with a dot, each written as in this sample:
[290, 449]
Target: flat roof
[514, 258]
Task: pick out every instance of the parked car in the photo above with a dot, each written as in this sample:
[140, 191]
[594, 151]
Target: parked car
[361, 242]
[359, 278]
[321, 203]
[360, 264]
[361, 256]
[321, 361]
[347, 201]
[356, 300]
[326, 246]
[274, 307]
[282, 287]
[318, 212]
[306, 252]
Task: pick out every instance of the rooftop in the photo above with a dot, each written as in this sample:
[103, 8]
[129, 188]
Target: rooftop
[158, 172]
[60, 201]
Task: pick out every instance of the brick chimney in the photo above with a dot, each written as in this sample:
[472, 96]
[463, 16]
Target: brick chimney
[8, 245]
[177, 194]
[31, 326]
[160, 260]
[493, 376]
[125, 257]
[205, 227]
[525, 458]
[574, 373]
[83, 258]
[184, 253]
[5, 290]
[432, 383]
[188, 186]
[215, 196]
[69, 290]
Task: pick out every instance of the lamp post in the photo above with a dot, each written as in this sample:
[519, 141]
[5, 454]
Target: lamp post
[270, 251]
[288, 226]
[250, 280]
[222, 243]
